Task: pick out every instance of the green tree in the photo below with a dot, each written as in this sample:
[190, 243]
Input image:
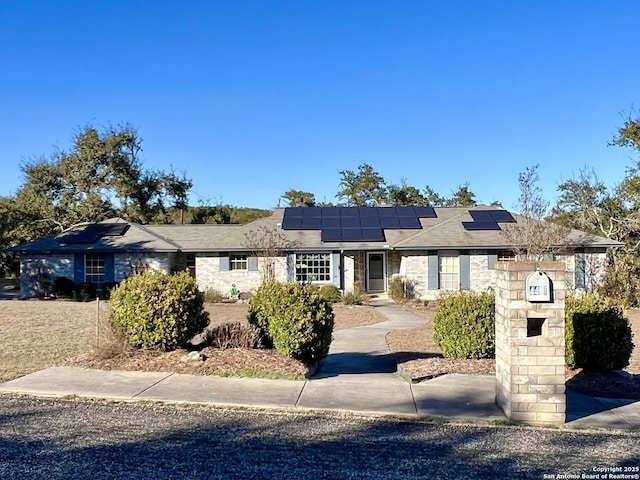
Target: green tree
[366, 187]
[433, 198]
[405, 194]
[463, 197]
[298, 198]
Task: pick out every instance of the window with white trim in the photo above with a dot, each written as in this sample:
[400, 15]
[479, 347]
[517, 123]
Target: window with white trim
[313, 267]
[238, 262]
[94, 269]
[506, 256]
[449, 271]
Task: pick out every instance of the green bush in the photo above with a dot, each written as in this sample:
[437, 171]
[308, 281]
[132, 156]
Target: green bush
[597, 335]
[158, 311]
[294, 319]
[63, 287]
[330, 293]
[396, 288]
[84, 292]
[464, 325]
[355, 296]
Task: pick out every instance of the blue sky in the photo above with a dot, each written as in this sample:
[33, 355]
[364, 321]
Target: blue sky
[253, 98]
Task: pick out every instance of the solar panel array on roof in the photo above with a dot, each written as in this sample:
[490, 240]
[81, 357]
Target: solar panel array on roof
[488, 219]
[91, 233]
[354, 224]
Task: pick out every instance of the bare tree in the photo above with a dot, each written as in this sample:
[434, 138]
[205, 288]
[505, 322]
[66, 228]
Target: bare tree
[532, 237]
[267, 243]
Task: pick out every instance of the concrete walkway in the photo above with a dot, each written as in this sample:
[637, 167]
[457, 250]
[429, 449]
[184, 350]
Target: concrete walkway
[358, 376]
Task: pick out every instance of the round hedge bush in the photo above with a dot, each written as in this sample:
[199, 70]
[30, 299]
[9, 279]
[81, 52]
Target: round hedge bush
[158, 311]
[464, 325]
[294, 319]
[598, 337]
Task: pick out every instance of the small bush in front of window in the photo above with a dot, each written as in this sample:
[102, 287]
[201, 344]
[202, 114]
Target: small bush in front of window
[464, 325]
[157, 311]
[598, 337]
[330, 293]
[294, 319]
[84, 292]
[63, 287]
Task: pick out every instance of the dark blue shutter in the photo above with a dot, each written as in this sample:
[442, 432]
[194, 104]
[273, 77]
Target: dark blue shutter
[580, 271]
[252, 264]
[465, 271]
[109, 268]
[336, 268]
[78, 268]
[492, 258]
[432, 270]
[224, 264]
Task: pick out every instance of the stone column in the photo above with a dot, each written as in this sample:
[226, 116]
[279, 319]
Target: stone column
[530, 345]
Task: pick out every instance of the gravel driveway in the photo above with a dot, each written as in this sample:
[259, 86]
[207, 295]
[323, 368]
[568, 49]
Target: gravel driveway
[72, 439]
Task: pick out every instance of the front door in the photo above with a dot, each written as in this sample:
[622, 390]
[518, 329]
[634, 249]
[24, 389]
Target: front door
[375, 269]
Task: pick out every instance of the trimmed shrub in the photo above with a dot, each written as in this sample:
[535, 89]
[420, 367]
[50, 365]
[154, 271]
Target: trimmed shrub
[330, 293]
[232, 335]
[464, 325]
[63, 287]
[84, 292]
[294, 319]
[158, 311]
[211, 295]
[598, 337]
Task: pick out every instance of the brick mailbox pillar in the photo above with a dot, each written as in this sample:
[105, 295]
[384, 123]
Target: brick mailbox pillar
[530, 341]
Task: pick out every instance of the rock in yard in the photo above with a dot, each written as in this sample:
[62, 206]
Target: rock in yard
[193, 357]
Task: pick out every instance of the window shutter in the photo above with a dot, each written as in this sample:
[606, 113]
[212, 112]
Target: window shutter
[78, 268]
[291, 267]
[492, 258]
[252, 264]
[224, 264]
[109, 268]
[432, 270]
[580, 271]
[465, 271]
[336, 268]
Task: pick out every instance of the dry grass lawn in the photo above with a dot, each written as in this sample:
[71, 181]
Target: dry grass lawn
[37, 334]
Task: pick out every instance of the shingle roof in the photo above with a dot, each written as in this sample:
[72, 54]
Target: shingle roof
[444, 231]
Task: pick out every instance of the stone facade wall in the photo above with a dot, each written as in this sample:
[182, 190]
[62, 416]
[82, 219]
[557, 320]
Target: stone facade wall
[482, 277]
[209, 276]
[415, 268]
[348, 266]
[123, 263]
[57, 265]
[530, 370]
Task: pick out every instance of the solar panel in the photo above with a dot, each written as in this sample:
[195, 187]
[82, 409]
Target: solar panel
[481, 216]
[88, 234]
[349, 212]
[311, 212]
[350, 222]
[480, 226]
[425, 212]
[502, 216]
[406, 212]
[112, 229]
[389, 222]
[330, 212]
[331, 235]
[370, 221]
[293, 211]
[387, 212]
[291, 223]
[373, 235]
[368, 212]
[409, 222]
[311, 223]
[330, 222]
[352, 235]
